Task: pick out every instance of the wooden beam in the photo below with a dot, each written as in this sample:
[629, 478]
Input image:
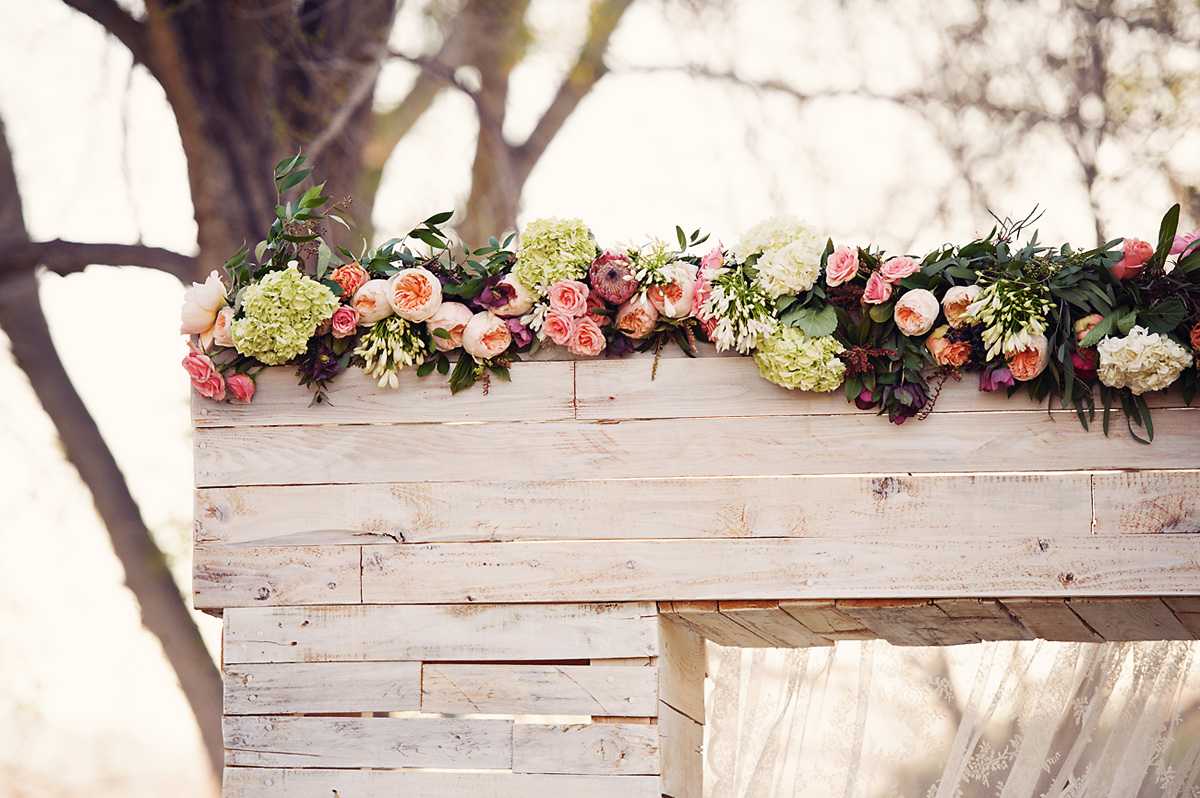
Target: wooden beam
[681, 667]
[908, 622]
[323, 783]
[611, 690]
[1051, 619]
[1130, 618]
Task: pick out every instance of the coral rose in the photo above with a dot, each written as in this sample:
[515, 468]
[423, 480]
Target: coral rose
[344, 322]
[558, 327]
[569, 297]
[674, 300]
[486, 336]
[241, 386]
[637, 317]
[1195, 338]
[371, 302]
[200, 305]
[916, 311]
[222, 331]
[350, 277]
[1137, 252]
[587, 340]
[451, 317]
[203, 373]
[897, 269]
[521, 302]
[1025, 364]
[415, 293]
[878, 290]
[842, 266]
[955, 302]
[947, 353]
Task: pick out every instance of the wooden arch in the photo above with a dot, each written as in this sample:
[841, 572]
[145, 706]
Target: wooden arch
[508, 595]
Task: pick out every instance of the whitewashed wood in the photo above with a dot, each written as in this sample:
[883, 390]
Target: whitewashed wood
[1130, 618]
[1159, 502]
[681, 668]
[433, 633]
[613, 690]
[908, 622]
[682, 742]
[303, 687]
[1051, 619]
[898, 505]
[678, 570]
[766, 619]
[277, 783]
[544, 391]
[987, 619]
[604, 749]
[705, 618]
[823, 618]
[228, 577]
[288, 741]
[989, 442]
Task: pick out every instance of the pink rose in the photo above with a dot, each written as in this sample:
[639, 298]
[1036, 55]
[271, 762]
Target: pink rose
[675, 300]
[222, 331]
[350, 277]
[453, 318]
[200, 305]
[701, 291]
[1084, 326]
[955, 302]
[916, 311]
[637, 317]
[1137, 252]
[521, 302]
[594, 302]
[344, 322]
[241, 386]
[569, 297]
[588, 339]
[371, 302]
[486, 336]
[415, 293]
[1185, 243]
[203, 373]
[714, 260]
[947, 353]
[559, 327]
[842, 266]
[1025, 364]
[897, 269]
[878, 290]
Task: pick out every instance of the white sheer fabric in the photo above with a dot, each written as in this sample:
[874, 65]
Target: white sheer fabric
[1002, 720]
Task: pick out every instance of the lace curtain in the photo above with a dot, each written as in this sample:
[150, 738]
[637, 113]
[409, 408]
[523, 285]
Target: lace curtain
[1002, 720]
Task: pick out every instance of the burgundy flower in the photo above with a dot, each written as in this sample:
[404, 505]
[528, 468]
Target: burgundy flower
[995, 379]
[520, 333]
[319, 363]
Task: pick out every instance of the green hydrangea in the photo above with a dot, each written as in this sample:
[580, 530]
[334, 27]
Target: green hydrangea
[788, 358]
[551, 250]
[280, 313]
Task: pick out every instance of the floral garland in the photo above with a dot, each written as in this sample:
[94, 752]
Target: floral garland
[1111, 323]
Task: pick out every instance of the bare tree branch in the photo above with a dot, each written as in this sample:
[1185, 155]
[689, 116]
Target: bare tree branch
[67, 257]
[361, 92]
[120, 23]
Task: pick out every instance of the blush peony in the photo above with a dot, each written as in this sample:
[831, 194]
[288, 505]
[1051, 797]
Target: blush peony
[486, 336]
[916, 312]
[415, 294]
[955, 302]
[451, 317]
[371, 302]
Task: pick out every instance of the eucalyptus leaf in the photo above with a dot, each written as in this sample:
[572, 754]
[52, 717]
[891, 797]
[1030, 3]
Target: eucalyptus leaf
[324, 254]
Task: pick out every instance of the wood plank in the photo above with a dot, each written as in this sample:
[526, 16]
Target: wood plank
[300, 687]
[605, 749]
[908, 622]
[705, 618]
[1051, 619]
[544, 392]
[681, 668]
[987, 619]
[773, 624]
[1000, 441]
[678, 570]
[288, 741]
[228, 577]
[432, 633]
[1155, 502]
[823, 618]
[900, 505]
[276, 783]
[682, 743]
[613, 690]
[1187, 610]
[1130, 618]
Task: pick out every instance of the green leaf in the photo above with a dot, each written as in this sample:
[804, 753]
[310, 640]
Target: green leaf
[813, 322]
[463, 376]
[324, 254]
[313, 193]
[294, 179]
[881, 313]
[441, 332]
[1102, 329]
[1189, 262]
[682, 238]
[260, 250]
[336, 288]
[438, 218]
[501, 372]
[425, 368]
[443, 365]
[1163, 317]
[1166, 234]
[1126, 322]
[288, 164]
[430, 237]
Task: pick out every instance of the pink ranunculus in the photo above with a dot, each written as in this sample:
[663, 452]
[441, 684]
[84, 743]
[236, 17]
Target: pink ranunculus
[415, 293]
[1185, 243]
[1084, 361]
[947, 353]
[675, 300]
[637, 317]
[222, 331]
[916, 312]
[587, 340]
[878, 290]
[203, 373]
[344, 322]
[897, 269]
[569, 297]
[712, 261]
[1084, 326]
[1137, 253]
[955, 302]
[451, 317]
[559, 327]
[842, 266]
[486, 336]
[241, 386]
[595, 302]
[371, 302]
[350, 277]
[200, 305]
[521, 302]
[1025, 364]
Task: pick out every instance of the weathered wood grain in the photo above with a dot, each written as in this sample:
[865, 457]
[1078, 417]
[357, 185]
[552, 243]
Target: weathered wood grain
[229, 577]
[682, 742]
[822, 617]
[1142, 618]
[1051, 619]
[900, 505]
[1187, 610]
[1157, 502]
[704, 618]
[605, 749]
[544, 392]
[790, 568]
[987, 619]
[909, 622]
[301, 687]
[439, 633]
[286, 741]
[613, 690]
[277, 783]
[766, 619]
[976, 442]
[681, 668]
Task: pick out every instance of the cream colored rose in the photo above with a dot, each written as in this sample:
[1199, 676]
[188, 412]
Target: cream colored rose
[371, 302]
[200, 305]
[637, 317]
[485, 336]
[453, 318]
[916, 312]
[415, 294]
[520, 304]
[222, 331]
[954, 303]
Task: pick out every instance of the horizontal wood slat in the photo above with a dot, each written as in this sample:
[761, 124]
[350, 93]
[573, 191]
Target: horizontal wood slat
[446, 633]
[255, 577]
[607, 749]
[1157, 502]
[1051, 620]
[613, 690]
[277, 783]
[316, 687]
[984, 442]
[1130, 618]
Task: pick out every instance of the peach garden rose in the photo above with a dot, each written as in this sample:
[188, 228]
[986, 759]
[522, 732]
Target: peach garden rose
[486, 336]
[371, 302]
[453, 318]
[415, 294]
[955, 302]
[637, 317]
[916, 312]
[1027, 363]
[201, 303]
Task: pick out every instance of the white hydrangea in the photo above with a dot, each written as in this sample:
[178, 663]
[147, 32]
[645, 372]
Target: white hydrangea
[792, 269]
[1141, 361]
[769, 235]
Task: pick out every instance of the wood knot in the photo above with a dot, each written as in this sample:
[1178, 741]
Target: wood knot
[883, 487]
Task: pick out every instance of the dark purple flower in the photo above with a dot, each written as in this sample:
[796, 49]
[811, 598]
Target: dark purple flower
[618, 346]
[495, 293]
[520, 333]
[319, 363]
[903, 401]
[995, 379]
[864, 400]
